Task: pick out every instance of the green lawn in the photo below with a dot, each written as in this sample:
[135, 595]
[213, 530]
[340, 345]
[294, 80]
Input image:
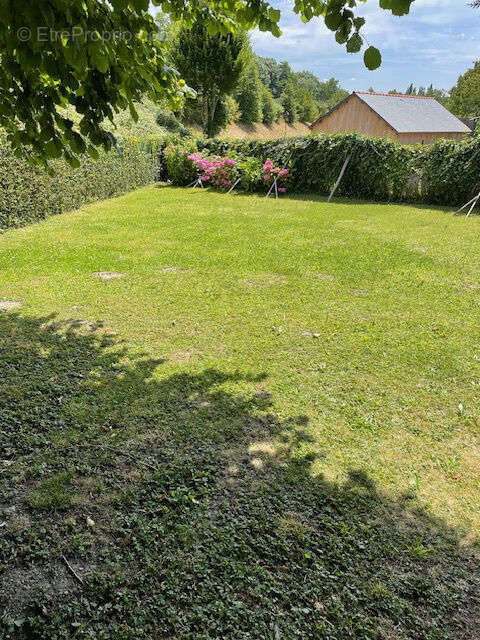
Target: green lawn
[266, 428]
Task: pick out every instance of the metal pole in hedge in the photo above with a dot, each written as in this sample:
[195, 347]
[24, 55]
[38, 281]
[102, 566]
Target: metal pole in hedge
[472, 202]
[195, 183]
[347, 160]
[234, 185]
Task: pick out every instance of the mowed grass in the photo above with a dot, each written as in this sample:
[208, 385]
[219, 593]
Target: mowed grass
[270, 417]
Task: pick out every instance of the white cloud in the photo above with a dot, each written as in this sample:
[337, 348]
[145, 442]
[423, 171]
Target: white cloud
[433, 44]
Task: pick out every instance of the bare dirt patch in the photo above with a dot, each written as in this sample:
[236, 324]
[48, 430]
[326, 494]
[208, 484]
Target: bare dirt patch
[185, 356]
[358, 292]
[264, 280]
[7, 305]
[85, 325]
[108, 275]
[325, 276]
[173, 270]
[18, 586]
[310, 334]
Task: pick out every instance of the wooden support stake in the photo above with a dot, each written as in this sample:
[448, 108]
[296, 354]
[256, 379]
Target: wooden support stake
[347, 160]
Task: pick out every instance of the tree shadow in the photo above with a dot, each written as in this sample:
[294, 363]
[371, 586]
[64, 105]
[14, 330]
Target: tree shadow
[136, 504]
[344, 200]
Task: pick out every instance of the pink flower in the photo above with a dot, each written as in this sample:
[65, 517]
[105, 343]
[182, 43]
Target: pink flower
[281, 189]
[266, 176]
[268, 165]
[283, 172]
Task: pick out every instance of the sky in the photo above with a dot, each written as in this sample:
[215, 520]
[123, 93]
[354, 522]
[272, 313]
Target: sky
[435, 43]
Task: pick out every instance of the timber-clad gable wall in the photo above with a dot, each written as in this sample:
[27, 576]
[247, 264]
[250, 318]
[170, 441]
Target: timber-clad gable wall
[354, 115]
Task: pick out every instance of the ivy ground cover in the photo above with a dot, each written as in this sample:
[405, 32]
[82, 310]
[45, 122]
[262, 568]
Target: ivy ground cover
[225, 416]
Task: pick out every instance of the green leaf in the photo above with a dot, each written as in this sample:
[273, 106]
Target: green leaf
[93, 152]
[372, 58]
[133, 112]
[73, 161]
[358, 23]
[355, 43]
[53, 148]
[333, 21]
[274, 15]
[140, 5]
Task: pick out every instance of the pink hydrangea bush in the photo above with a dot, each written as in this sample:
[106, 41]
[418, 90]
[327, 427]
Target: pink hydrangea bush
[270, 172]
[217, 171]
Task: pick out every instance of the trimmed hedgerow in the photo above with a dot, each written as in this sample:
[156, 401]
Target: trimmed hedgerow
[28, 194]
[378, 168]
[446, 172]
[451, 172]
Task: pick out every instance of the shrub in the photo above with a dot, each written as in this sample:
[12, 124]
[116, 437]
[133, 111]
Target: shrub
[446, 172]
[250, 173]
[219, 172]
[449, 172]
[180, 169]
[29, 194]
[378, 169]
[270, 173]
[168, 121]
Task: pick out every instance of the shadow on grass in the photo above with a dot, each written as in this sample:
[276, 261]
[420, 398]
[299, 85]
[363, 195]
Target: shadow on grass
[340, 199]
[139, 506]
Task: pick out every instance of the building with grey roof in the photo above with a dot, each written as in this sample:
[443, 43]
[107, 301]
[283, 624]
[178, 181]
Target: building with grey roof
[404, 118]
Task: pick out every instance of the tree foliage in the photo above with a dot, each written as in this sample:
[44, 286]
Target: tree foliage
[430, 91]
[289, 103]
[212, 64]
[249, 91]
[268, 106]
[465, 95]
[103, 55]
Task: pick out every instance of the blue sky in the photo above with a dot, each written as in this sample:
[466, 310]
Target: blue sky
[435, 43]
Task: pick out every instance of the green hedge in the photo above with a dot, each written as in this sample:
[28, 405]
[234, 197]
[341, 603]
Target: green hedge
[446, 172]
[29, 194]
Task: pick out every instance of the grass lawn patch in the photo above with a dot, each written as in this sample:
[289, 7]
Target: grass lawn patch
[266, 428]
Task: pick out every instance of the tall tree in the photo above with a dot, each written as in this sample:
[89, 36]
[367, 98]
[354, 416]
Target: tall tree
[465, 95]
[248, 93]
[268, 106]
[306, 108]
[289, 102]
[248, 96]
[212, 65]
[284, 74]
[269, 74]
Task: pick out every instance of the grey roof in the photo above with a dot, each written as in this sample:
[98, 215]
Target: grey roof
[412, 114]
